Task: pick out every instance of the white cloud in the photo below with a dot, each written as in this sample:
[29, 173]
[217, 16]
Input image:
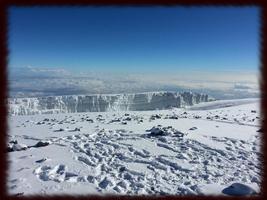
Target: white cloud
[36, 81]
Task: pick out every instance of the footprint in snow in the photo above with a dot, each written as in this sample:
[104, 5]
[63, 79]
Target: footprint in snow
[57, 174]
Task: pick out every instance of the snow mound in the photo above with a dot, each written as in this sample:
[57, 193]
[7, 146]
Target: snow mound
[239, 189]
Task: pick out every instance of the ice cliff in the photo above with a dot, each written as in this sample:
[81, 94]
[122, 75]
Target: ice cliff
[102, 103]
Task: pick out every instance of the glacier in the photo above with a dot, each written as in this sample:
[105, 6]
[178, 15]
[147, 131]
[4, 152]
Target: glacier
[103, 102]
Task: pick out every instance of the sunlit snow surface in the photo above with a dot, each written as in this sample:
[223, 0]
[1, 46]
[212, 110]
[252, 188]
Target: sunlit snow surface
[112, 152]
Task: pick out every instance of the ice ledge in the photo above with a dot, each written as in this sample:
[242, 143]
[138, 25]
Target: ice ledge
[104, 102]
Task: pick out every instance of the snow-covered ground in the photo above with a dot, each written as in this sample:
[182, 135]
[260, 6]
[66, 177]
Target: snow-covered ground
[201, 150]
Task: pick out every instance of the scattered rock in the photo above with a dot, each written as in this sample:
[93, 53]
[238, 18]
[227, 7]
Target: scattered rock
[193, 128]
[115, 120]
[178, 134]
[41, 144]
[9, 149]
[91, 179]
[163, 131]
[19, 194]
[13, 142]
[41, 160]
[155, 116]
[127, 119]
[156, 131]
[16, 147]
[122, 169]
[260, 130]
[59, 130]
[173, 117]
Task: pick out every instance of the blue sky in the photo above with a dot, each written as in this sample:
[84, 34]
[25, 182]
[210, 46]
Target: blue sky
[139, 39]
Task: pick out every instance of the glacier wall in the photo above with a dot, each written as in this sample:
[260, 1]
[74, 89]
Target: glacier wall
[103, 103]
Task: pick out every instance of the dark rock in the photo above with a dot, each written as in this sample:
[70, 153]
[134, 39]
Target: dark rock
[59, 130]
[41, 144]
[260, 130]
[193, 128]
[127, 119]
[178, 134]
[41, 160]
[156, 131]
[163, 131]
[122, 169]
[115, 120]
[173, 117]
[156, 116]
[19, 194]
[13, 142]
[197, 117]
[90, 179]
[16, 147]
[10, 149]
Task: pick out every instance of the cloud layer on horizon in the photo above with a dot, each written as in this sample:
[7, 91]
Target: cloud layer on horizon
[36, 81]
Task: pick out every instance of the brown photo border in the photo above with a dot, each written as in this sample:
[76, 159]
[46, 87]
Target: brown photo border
[5, 4]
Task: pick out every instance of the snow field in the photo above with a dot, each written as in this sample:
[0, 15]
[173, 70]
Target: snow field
[117, 152]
